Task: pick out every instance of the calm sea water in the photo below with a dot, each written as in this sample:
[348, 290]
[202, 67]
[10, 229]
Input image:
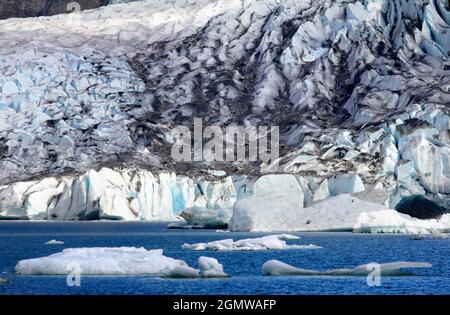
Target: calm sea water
[23, 240]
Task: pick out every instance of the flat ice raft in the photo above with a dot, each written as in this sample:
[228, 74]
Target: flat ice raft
[391, 221]
[118, 261]
[250, 244]
[278, 268]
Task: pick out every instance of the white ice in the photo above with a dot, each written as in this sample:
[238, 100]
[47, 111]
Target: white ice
[251, 244]
[271, 214]
[391, 221]
[117, 261]
[101, 261]
[211, 268]
[278, 268]
[54, 242]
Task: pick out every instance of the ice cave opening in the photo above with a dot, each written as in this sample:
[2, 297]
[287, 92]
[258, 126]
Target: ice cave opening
[420, 207]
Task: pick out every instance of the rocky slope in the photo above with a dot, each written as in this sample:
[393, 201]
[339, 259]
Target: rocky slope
[357, 87]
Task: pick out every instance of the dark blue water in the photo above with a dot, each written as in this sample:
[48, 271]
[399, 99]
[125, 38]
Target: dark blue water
[23, 240]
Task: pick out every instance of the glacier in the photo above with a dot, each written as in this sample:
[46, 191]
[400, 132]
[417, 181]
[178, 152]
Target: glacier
[359, 89]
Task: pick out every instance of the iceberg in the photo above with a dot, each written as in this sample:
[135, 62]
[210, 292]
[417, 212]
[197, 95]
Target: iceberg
[391, 221]
[259, 214]
[117, 261]
[273, 242]
[101, 261]
[211, 268]
[54, 242]
[278, 268]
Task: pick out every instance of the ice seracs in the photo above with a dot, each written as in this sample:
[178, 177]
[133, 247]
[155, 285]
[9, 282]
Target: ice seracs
[118, 261]
[208, 268]
[270, 242]
[278, 268]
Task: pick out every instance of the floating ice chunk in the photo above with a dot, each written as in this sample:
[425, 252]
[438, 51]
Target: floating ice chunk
[391, 221]
[54, 242]
[211, 268]
[180, 272]
[2, 281]
[278, 268]
[103, 261]
[251, 244]
[119, 261]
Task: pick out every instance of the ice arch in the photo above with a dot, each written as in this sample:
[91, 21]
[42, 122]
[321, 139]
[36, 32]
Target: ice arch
[420, 207]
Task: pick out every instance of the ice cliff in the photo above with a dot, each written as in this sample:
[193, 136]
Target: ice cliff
[359, 89]
[136, 194]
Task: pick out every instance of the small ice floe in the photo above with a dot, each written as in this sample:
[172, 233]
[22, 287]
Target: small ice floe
[209, 268]
[262, 243]
[118, 261]
[278, 268]
[54, 242]
[3, 281]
